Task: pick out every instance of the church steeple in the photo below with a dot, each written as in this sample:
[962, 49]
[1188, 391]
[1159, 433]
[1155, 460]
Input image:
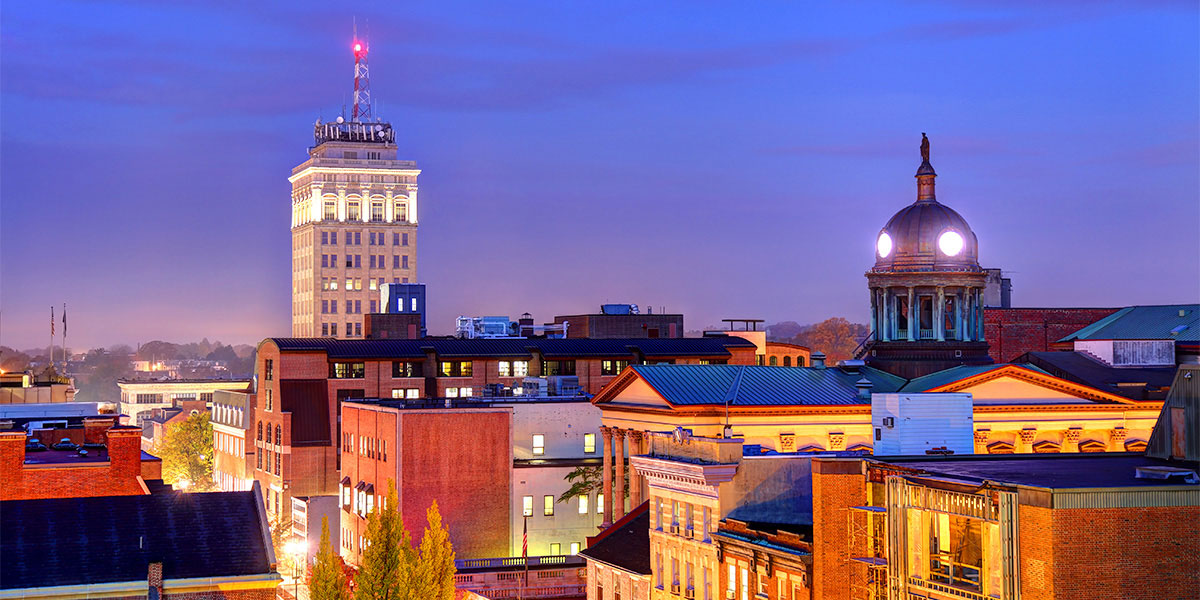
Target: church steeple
[925, 174]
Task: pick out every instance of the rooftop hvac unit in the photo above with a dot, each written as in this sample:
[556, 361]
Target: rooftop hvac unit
[564, 385]
[535, 386]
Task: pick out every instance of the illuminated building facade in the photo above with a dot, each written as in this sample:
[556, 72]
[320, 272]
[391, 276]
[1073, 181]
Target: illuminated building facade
[354, 224]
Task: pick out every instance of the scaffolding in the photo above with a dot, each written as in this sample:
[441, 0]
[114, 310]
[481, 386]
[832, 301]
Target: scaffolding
[866, 527]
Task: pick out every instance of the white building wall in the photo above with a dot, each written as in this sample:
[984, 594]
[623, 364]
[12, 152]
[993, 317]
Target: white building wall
[907, 424]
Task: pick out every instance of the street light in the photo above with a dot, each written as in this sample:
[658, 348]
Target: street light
[296, 548]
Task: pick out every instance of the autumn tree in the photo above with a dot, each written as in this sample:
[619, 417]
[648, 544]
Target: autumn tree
[836, 337]
[187, 453]
[388, 561]
[328, 580]
[435, 569]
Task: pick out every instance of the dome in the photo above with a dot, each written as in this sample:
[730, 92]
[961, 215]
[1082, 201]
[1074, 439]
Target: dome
[926, 235]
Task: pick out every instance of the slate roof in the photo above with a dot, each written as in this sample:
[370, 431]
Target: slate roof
[74, 541]
[763, 386]
[1145, 323]
[625, 545]
[1080, 368]
[947, 376]
[711, 346]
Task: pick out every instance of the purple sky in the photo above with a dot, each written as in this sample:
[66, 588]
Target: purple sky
[721, 159]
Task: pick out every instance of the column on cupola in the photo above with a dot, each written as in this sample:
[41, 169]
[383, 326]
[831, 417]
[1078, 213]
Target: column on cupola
[885, 321]
[965, 294]
[939, 314]
[606, 466]
[979, 314]
[618, 498]
[912, 312]
[959, 334]
[874, 315]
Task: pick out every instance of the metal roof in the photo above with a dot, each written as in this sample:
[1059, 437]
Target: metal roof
[763, 386]
[1145, 323]
[711, 346]
[947, 376]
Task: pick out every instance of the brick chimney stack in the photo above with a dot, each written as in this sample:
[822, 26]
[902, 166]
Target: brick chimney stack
[95, 428]
[125, 450]
[12, 457]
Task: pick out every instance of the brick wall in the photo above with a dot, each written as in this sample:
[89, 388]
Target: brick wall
[118, 476]
[1011, 332]
[1128, 553]
[836, 484]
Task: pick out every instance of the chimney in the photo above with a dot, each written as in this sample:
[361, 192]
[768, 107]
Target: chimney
[12, 463]
[94, 429]
[125, 450]
[818, 360]
[863, 386]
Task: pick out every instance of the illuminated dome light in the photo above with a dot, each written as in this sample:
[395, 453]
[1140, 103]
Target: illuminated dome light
[950, 243]
[884, 245]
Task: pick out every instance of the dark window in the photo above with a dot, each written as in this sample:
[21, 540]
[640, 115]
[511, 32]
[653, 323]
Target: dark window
[774, 361]
[551, 368]
[278, 435]
[270, 370]
[407, 369]
[260, 431]
[787, 361]
[258, 459]
[343, 370]
[277, 469]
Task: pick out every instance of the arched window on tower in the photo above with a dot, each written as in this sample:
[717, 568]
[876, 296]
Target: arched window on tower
[330, 210]
[376, 212]
[401, 214]
[353, 211]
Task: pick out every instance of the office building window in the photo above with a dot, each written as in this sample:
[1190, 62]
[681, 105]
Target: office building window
[555, 548]
[372, 262]
[599, 504]
[401, 212]
[407, 369]
[333, 238]
[527, 506]
[583, 504]
[589, 443]
[353, 211]
[551, 368]
[333, 329]
[539, 444]
[333, 307]
[347, 370]
[396, 261]
[548, 506]
[452, 392]
[358, 307]
[358, 327]
[324, 307]
[372, 283]
[404, 262]
[376, 212]
[395, 239]
[404, 239]
[613, 367]
[330, 211]
[461, 368]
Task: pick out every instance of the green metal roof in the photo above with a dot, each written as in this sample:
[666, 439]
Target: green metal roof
[940, 378]
[763, 386]
[1179, 322]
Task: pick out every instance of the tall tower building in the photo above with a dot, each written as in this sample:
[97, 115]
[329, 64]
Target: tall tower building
[354, 219]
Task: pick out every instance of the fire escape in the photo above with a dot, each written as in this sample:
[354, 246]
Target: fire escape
[867, 529]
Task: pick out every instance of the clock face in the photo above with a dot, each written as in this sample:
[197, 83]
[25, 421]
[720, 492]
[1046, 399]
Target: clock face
[950, 243]
[884, 245]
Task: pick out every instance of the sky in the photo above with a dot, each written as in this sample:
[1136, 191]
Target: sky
[723, 160]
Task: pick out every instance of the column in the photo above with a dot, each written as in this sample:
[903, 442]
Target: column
[966, 315]
[885, 323]
[618, 497]
[635, 478]
[958, 315]
[912, 322]
[939, 315]
[607, 489]
[979, 314]
[874, 315]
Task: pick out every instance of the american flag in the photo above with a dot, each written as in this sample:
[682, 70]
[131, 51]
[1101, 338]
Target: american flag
[525, 538]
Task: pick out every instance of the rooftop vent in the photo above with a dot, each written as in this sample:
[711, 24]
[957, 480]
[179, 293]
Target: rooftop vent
[851, 366]
[1168, 474]
[864, 388]
[818, 360]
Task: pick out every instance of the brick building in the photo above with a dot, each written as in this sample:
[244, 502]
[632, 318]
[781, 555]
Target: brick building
[233, 440]
[622, 321]
[114, 467]
[1011, 332]
[163, 545]
[460, 457]
[765, 560]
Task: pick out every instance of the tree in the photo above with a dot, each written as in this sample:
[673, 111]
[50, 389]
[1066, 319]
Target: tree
[387, 568]
[836, 337]
[435, 569]
[328, 580]
[187, 453]
[280, 524]
[585, 480]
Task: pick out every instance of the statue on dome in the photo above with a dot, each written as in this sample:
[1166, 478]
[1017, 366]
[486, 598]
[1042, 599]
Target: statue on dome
[924, 147]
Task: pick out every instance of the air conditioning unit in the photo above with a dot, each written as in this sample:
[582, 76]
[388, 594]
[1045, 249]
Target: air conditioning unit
[889, 422]
[689, 593]
[675, 588]
[675, 528]
[730, 595]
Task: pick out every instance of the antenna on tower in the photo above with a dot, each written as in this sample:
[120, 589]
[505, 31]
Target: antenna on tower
[362, 80]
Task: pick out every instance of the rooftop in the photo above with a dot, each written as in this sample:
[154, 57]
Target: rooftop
[713, 346]
[625, 545]
[110, 539]
[953, 374]
[1178, 322]
[1049, 471]
[763, 386]
[1081, 368]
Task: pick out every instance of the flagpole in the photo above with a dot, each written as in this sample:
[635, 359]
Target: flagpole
[51, 361]
[524, 555]
[66, 357]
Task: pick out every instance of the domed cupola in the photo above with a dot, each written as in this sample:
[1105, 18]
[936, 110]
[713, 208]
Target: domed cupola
[926, 288]
[926, 235]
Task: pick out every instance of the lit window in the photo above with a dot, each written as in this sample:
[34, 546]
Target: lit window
[466, 392]
[574, 548]
[398, 393]
[411, 393]
[583, 504]
[539, 444]
[352, 211]
[555, 548]
[331, 212]
[527, 506]
[452, 392]
[548, 506]
[376, 212]
[520, 368]
[505, 368]
[589, 443]
[599, 503]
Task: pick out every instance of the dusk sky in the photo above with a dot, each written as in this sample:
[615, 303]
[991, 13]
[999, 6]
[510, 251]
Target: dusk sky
[724, 159]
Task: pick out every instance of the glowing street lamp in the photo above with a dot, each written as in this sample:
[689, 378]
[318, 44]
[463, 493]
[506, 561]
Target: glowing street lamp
[296, 548]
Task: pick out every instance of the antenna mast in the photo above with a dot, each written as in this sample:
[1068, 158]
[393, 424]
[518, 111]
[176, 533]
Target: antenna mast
[362, 80]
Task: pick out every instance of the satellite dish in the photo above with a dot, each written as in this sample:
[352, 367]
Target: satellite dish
[340, 120]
